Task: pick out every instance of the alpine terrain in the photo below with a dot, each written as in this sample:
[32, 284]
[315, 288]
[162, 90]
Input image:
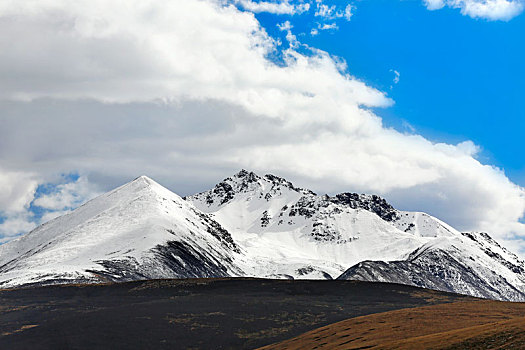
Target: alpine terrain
[259, 226]
[137, 231]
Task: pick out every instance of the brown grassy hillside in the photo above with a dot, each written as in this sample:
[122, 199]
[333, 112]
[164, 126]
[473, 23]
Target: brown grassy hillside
[479, 324]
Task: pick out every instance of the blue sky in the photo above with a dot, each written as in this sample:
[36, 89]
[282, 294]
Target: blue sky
[461, 78]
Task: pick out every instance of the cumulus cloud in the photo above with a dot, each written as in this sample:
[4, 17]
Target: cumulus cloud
[285, 26]
[18, 189]
[117, 89]
[81, 46]
[66, 196]
[15, 224]
[488, 9]
[22, 194]
[349, 12]
[278, 8]
[434, 4]
[330, 12]
[290, 37]
[325, 11]
[327, 26]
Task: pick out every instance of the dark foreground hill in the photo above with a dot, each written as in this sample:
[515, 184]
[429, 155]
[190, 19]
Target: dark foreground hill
[198, 313]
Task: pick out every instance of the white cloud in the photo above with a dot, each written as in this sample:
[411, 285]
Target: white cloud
[182, 91]
[14, 225]
[17, 190]
[348, 13]
[285, 26]
[66, 196]
[409, 127]
[489, 9]
[327, 26]
[290, 37]
[330, 12]
[434, 4]
[325, 11]
[397, 75]
[81, 47]
[279, 8]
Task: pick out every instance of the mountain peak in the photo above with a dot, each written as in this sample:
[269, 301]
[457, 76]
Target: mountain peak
[144, 179]
[372, 203]
[244, 176]
[247, 183]
[143, 182]
[139, 230]
[144, 187]
[274, 181]
[244, 173]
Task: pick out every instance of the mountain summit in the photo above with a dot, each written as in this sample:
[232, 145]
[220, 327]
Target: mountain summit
[138, 231]
[260, 226]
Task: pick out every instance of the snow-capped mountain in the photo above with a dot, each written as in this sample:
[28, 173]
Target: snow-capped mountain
[138, 231]
[456, 265]
[292, 232]
[260, 226]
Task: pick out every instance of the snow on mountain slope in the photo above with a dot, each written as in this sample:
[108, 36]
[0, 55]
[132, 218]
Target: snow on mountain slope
[261, 226]
[288, 231]
[292, 232]
[423, 225]
[137, 231]
[449, 265]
